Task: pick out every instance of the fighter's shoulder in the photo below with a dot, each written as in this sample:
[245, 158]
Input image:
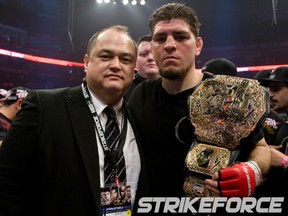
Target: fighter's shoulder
[148, 85]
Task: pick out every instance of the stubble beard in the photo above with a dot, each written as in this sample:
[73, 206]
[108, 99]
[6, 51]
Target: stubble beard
[172, 73]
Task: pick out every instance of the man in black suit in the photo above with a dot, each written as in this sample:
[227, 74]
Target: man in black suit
[52, 160]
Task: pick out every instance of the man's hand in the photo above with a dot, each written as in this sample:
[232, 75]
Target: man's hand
[239, 180]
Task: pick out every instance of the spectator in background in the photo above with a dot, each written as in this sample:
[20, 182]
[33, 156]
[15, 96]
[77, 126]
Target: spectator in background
[10, 105]
[261, 76]
[3, 94]
[220, 66]
[274, 119]
[277, 84]
[146, 67]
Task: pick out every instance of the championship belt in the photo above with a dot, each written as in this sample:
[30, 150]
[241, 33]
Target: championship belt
[223, 110]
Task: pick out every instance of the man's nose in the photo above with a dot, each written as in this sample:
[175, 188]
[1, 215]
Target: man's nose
[115, 63]
[170, 43]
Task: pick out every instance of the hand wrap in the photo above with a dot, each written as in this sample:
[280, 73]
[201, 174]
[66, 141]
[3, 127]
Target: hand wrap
[239, 180]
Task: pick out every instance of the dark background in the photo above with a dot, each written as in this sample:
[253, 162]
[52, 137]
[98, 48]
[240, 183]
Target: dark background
[244, 31]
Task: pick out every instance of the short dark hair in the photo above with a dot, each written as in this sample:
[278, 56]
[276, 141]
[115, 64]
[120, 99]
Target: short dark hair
[92, 41]
[145, 38]
[220, 66]
[175, 11]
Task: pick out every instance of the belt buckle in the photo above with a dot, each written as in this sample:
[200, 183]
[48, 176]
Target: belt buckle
[207, 159]
[202, 161]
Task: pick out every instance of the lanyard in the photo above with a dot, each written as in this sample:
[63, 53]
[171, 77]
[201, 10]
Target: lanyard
[111, 155]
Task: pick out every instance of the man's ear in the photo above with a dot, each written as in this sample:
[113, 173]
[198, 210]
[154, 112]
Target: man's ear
[85, 60]
[18, 104]
[199, 46]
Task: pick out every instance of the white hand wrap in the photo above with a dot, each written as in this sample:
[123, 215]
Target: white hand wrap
[257, 171]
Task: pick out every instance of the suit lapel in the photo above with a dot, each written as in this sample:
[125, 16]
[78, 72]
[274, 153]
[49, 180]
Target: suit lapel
[83, 126]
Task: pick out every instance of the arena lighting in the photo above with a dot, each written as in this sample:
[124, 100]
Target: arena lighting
[77, 64]
[40, 59]
[133, 2]
[274, 8]
[124, 2]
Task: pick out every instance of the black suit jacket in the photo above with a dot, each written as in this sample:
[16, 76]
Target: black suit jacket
[49, 163]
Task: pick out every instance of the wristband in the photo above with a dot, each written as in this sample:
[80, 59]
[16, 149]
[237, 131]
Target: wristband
[283, 162]
[257, 171]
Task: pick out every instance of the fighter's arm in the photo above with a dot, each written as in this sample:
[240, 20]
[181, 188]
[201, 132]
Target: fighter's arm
[262, 156]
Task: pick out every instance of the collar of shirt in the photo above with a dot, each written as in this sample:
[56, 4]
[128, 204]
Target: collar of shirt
[99, 106]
